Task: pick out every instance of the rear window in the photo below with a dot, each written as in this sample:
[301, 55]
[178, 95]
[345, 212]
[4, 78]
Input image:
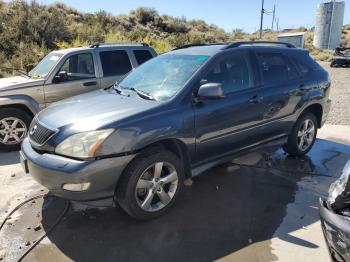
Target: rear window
[304, 59]
[276, 68]
[303, 68]
[115, 63]
[142, 56]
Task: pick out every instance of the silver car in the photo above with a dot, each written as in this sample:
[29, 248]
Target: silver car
[62, 74]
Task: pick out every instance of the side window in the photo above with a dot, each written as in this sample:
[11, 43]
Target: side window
[234, 73]
[80, 66]
[276, 69]
[142, 56]
[115, 63]
[302, 67]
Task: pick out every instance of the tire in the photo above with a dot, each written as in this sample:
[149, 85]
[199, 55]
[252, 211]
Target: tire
[294, 141]
[142, 169]
[333, 64]
[9, 116]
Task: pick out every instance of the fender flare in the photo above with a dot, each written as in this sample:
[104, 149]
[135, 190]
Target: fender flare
[23, 100]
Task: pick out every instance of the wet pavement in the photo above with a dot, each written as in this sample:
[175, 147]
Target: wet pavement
[260, 207]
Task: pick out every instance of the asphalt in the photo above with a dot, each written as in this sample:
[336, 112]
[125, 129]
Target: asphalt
[259, 207]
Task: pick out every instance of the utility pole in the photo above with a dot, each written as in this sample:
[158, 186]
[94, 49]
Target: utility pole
[273, 16]
[262, 18]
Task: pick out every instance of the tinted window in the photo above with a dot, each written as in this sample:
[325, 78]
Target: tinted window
[276, 69]
[115, 63]
[142, 56]
[234, 73]
[80, 66]
[302, 67]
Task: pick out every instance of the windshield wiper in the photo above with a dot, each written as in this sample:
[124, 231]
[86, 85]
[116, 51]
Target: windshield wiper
[142, 94]
[116, 88]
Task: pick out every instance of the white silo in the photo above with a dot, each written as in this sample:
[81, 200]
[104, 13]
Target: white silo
[329, 23]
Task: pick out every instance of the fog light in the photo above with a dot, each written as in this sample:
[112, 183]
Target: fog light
[76, 187]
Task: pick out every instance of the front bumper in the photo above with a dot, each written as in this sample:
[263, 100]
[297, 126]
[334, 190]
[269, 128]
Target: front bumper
[54, 171]
[336, 230]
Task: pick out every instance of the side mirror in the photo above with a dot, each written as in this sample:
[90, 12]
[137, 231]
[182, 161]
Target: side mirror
[60, 77]
[211, 91]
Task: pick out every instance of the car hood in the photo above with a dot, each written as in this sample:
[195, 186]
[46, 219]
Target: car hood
[19, 82]
[94, 110]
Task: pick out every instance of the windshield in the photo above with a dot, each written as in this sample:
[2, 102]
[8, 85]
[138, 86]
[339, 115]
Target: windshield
[45, 66]
[162, 77]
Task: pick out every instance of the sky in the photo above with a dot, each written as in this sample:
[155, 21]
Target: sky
[227, 14]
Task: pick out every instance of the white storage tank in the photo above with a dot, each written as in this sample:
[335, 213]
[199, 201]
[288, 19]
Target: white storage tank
[297, 38]
[329, 23]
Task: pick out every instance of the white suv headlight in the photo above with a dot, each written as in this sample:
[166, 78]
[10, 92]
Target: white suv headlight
[83, 145]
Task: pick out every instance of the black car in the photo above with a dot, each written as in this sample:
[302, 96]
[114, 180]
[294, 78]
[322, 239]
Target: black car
[335, 217]
[341, 57]
[174, 117]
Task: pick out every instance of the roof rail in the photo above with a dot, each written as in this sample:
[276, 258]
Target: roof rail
[193, 45]
[96, 45]
[240, 43]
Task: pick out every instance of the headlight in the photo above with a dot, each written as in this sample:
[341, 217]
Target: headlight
[338, 188]
[83, 145]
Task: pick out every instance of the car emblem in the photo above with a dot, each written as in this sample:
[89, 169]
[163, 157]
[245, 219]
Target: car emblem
[32, 130]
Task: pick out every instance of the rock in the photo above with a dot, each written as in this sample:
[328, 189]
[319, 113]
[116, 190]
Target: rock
[13, 175]
[37, 228]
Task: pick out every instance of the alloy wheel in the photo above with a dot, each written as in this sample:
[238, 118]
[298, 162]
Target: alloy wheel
[306, 135]
[156, 186]
[12, 130]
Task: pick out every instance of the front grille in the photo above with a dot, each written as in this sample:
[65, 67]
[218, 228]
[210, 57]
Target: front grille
[38, 133]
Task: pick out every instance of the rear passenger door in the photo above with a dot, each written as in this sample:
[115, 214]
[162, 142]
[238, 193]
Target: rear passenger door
[281, 81]
[115, 64]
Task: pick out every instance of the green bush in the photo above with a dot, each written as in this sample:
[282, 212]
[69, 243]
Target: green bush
[29, 30]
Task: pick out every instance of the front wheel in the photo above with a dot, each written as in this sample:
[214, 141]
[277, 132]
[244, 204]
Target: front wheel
[150, 184]
[14, 125]
[303, 135]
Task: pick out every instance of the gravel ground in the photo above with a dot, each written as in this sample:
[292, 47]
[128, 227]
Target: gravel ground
[340, 95]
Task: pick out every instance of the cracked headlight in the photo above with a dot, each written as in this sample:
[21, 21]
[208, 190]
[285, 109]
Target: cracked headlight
[339, 187]
[83, 145]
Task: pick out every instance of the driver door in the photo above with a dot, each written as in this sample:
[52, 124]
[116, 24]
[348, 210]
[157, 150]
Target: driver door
[225, 125]
[80, 78]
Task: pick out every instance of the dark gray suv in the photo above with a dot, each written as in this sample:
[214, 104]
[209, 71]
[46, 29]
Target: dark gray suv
[174, 117]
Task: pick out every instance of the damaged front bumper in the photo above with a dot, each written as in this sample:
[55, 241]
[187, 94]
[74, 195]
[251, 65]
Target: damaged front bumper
[336, 230]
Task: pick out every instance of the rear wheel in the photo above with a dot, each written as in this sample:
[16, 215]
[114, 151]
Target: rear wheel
[303, 135]
[150, 184]
[14, 124]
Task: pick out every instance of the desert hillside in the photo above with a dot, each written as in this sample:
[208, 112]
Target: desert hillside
[28, 31]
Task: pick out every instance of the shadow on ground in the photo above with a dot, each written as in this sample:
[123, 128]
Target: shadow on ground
[9, 158]
[225, 210]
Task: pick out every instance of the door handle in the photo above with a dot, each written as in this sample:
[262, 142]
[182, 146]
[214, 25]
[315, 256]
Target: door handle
[90, 83]
[256, 99]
